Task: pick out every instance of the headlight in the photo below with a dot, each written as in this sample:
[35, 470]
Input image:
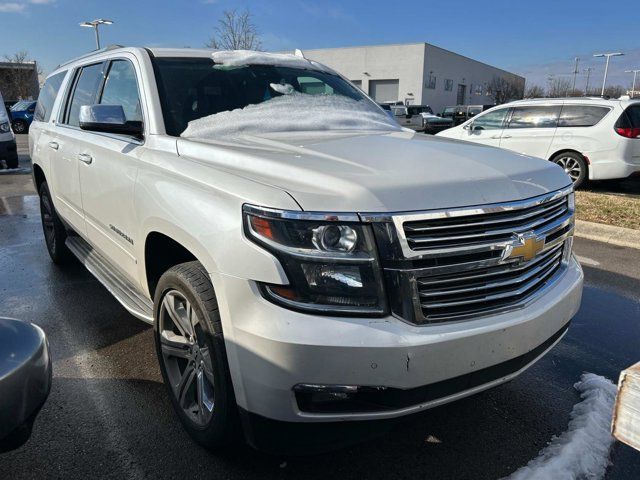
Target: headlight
[330, 261]
[4, 127]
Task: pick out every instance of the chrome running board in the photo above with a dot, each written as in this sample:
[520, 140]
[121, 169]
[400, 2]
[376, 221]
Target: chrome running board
[121, 288]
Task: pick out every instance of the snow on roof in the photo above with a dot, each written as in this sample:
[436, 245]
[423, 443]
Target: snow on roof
[239, 58]
[290, 113]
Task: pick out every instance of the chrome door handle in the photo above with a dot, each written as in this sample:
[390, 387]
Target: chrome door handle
[54, 145]
[506, 136]
[495, 136]
[85, 158]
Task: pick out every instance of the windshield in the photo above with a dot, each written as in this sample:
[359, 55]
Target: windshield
[415, 110]
[214, 100]
[21, 105]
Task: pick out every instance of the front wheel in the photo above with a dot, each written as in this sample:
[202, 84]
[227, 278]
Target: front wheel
[574, 165]
[20, 126]
[192, 356]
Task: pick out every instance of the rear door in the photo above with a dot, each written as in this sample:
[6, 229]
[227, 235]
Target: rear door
[530, 129]
[66, 145]
[486, 128]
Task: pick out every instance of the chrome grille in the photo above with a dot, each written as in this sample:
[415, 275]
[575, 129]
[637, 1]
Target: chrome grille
[462, 228]
[444, 297]
[469, 262]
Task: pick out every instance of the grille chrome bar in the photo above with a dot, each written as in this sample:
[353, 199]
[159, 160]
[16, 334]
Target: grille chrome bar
[482, 260]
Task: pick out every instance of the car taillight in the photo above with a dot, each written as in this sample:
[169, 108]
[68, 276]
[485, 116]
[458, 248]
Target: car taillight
[628, 132]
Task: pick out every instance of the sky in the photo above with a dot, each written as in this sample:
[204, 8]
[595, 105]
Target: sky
[532, 38]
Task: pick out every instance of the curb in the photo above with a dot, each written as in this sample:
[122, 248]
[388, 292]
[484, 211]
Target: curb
[623, 237]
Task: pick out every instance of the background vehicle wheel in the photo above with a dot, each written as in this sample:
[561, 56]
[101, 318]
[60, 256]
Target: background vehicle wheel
[55, 233]
[12, 162]
[20, 126]
[574, 165]
[192, 356]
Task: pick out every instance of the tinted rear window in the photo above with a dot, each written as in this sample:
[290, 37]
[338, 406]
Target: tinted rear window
[535, 117]
[630, 118]
[47, 97]
[581, 115]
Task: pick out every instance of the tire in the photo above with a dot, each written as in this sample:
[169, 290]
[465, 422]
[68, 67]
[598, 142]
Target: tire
[574, 165]
[20, 126]
[12, 162]
[192, 356]
[55, 233]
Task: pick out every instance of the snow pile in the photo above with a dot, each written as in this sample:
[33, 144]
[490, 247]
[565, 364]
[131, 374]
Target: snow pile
[291, 113]
[241, 58]
[583, 450]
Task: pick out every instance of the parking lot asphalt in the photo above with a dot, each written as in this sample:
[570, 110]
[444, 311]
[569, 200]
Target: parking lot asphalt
[108, 415]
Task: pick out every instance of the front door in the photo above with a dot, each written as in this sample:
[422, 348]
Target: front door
[462, 93]
[486, 128]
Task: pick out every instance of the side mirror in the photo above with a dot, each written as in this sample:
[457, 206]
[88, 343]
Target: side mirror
[25, 380]
[108, 119]
[468, 126]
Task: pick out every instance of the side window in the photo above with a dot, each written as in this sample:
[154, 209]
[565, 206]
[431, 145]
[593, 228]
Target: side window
[581, 115]
[535, 117]
[121, 88]
[490, 121]
[47, 97]
[85, 91]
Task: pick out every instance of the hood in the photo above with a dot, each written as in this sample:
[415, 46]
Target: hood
[379, 172]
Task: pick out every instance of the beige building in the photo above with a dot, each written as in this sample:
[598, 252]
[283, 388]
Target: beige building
[416, 73]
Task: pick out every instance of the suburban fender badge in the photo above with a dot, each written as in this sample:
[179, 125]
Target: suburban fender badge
[121, 233]
[526, 247]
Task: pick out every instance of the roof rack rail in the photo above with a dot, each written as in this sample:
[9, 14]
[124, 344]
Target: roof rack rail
[94, 52]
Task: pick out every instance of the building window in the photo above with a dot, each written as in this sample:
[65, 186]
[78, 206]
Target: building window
[431, 82]
[478, 89]
[448, 84]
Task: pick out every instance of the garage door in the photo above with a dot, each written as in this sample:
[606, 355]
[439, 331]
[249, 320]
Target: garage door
[383, 90]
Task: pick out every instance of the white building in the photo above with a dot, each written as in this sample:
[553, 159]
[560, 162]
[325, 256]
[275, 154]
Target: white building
[415, 73]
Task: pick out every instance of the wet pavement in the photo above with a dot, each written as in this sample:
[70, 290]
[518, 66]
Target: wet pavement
[108, 415]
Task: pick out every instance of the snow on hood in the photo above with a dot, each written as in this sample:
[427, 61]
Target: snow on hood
[291, 113]
[241, 58]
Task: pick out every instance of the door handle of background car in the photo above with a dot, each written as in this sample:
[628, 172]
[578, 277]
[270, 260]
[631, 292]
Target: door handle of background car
[54, 145]
[495, 136]
[506, 136]
[85, 158]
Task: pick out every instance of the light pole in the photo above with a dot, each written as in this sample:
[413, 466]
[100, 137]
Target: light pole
[586, 88]
[95, 24]
[633, 88]
[606, 67]
[575, 74]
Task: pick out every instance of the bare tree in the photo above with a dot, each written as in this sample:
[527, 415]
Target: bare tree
[575, 92]
[503, 90]
[20, 79]
[236, 31]
[534, 91]
[615, 91]
[559, 87]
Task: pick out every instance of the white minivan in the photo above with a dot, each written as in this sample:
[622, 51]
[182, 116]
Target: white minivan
[591, 138]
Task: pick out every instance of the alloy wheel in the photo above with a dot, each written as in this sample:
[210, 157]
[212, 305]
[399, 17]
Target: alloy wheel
[571, 167]
[187, 357]
[19, 127]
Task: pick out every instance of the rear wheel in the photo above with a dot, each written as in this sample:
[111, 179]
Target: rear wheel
[574, 165]
[55, 233]
[192, 355]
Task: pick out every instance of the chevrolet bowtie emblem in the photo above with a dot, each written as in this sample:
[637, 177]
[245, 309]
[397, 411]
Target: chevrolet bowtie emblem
[527, 248]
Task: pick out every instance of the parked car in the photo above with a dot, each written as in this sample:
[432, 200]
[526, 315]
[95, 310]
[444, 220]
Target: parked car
[408, 117]
[387, 108]
[25, 379]
[22, 116]
[590, 138]
[303, 267]
[432, 123]
[461, 113]
[8, 149]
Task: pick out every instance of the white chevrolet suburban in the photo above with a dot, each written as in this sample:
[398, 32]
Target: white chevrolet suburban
[300, 264]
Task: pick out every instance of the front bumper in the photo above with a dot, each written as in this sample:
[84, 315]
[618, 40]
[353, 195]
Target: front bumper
[8, 150]
[271, 350]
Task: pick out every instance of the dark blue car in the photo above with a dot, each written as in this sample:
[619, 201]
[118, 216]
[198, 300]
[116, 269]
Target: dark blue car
[22, 115]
